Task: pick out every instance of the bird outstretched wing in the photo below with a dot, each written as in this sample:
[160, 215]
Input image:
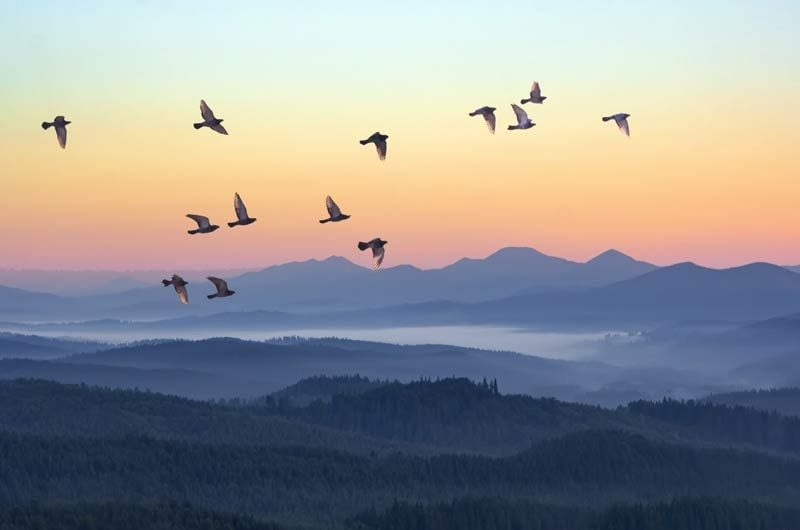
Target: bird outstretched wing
[522, 116]
[61, 134]
[205, 111]
[623, 126]
[491, 120]
[332, 207]
[536, 92]
[378, 253]
[219, 128]
[201, 220]
[380, 146]
[241, 209]
[183, 294]
[219, 283]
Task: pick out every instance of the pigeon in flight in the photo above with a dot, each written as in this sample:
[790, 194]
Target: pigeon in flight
[204, 226]
[488, 115]
[523, 121]
[378, 251]
[536, 95]
[180, 287]
[61, 129]
[621, 120]
[380, 143]
[334, 213]
[209, 120]
[241, 213]
[222, 288]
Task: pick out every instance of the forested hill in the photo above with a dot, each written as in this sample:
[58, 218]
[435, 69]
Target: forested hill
[499, 514]
[781, 400]
[425, 417]
[124, 516]
[461, 415]
[314, 388]
[47, 408]
[593, 467]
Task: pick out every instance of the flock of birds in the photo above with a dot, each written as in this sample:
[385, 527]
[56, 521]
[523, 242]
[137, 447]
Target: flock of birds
[376, 245]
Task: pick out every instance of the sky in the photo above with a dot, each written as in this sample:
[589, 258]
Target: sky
[711, 173]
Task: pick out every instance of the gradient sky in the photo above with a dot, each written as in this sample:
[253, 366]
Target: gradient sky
[711, 173]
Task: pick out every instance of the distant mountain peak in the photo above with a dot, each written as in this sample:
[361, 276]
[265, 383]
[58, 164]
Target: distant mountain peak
[515, 252]
[611, 255]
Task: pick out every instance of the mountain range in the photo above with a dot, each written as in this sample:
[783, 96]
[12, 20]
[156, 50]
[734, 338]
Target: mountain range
[513, 286]
[336, 284]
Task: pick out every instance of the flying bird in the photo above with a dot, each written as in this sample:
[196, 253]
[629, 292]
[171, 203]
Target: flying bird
[242, 218]
[488, 115]
[61, 129]
[621, 120]
[204, 226]
[523, 121]
[334, 213]
[222, 288]
[180, 287]
[380, 143]
[378, 251]
[209, 120]
[536, 95]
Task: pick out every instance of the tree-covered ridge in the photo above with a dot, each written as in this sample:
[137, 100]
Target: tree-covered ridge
[455, 413]
[43, 407]
[736, 425]
[593, 467]
[461, 415]
[784, 401]
[122, 516]
[320, 387]
[503, 514]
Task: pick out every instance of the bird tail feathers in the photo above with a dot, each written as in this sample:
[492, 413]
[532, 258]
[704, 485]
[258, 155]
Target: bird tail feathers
[523, 101]
[166, 283]
[323, 221]
[363, 142]
[362, 245]
[212, 296]
[513, 127]
[607, 118]
[473, 113]
[234, 223]
[46, 125]
[197, 125]
[193, 231]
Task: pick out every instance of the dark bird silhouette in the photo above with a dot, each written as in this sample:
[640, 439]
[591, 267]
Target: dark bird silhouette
[222, 288]
[334, 213]
[180, 287]
[209, 120]
[536, 95]
[523, 121]
[621, 120]
[204, 226]
[380, 143]
[242, 218]
[61, 129]
[488, 115]
[378, 251]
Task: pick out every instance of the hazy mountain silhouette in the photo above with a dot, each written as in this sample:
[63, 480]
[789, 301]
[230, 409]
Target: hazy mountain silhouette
[13, 345]
[338, 284]
[680, 292]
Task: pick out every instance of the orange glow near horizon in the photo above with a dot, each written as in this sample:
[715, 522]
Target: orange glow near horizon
[709, 174]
